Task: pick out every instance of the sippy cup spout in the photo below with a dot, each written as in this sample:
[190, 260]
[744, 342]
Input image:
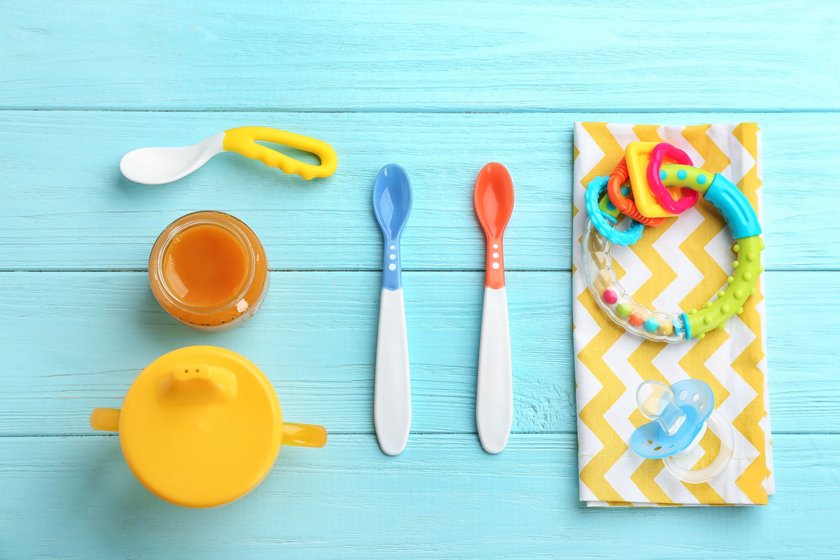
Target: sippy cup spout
[199, 382]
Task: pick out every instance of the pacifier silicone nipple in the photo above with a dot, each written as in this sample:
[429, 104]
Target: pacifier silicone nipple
[681, 415]
[656, 402]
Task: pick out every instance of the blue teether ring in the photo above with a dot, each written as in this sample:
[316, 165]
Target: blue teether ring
[695, 400]
[631, 235]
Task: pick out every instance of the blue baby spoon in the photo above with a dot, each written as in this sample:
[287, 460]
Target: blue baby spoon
[680, 415]
[392, 388]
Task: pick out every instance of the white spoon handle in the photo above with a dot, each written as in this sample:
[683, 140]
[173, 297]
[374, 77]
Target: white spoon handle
[392, 391]
[494, 393]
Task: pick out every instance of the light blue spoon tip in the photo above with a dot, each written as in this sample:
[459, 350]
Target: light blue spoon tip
[392, 206]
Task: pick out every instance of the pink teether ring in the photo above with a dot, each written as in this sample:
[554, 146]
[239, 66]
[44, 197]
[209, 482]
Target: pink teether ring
[663, 195]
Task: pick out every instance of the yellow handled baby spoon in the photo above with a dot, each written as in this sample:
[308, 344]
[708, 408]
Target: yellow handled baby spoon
[157, 166]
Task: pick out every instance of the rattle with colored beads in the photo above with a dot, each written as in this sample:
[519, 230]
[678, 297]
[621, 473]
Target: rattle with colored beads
[607, 200]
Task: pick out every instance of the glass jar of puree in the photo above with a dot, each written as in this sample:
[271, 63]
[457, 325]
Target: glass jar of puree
[209, 270]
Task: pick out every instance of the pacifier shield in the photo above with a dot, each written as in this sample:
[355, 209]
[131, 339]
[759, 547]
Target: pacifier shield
[689, 402]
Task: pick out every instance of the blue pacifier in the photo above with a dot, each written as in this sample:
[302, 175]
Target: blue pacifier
[681, 414]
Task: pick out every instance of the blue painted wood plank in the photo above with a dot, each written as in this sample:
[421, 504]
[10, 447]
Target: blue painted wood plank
[65, 206]
[438, 55]
[75, 341]
[74, 498]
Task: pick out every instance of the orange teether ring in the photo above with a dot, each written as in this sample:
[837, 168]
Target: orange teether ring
[626, 205]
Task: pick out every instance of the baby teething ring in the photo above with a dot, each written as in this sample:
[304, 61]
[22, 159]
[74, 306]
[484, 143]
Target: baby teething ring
[675, 327]
[594, 190]
[615, 188]
[663, 197]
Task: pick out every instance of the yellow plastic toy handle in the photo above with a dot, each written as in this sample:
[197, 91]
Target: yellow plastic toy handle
[304, 435]
[243, 140]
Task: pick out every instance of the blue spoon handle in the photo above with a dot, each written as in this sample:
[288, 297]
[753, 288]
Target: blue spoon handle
[391, 268]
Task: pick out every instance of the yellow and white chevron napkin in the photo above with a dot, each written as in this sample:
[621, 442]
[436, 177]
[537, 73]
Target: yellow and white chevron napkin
[680, 265]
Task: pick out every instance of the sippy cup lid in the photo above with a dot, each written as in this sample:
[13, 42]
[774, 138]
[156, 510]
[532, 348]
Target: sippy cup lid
[201, 426]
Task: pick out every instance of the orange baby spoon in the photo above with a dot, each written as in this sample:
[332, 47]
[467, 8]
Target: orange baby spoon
[493, 200]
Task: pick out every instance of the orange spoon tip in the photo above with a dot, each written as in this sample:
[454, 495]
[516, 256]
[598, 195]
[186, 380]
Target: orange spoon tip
[493, 198]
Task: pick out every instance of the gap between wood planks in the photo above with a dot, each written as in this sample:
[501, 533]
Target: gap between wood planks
[413, 433]
[441, 111]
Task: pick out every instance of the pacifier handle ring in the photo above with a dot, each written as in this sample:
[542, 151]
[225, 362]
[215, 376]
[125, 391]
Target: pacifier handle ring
[727, 449]
[663, 196]
[618, 178]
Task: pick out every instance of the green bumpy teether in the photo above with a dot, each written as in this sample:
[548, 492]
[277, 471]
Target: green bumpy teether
[743, 223]
[741, 286]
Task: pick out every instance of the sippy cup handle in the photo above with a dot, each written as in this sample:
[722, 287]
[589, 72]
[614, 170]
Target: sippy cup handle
[304, 435]
[105, 419]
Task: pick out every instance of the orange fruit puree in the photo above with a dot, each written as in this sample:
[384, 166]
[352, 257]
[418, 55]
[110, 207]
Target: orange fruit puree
[205, 266]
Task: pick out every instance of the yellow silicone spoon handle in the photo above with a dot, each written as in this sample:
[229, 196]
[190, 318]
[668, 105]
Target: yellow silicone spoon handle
[243, 140]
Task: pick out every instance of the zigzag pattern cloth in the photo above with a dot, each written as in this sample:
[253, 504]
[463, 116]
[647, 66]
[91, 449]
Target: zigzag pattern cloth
[679, 265]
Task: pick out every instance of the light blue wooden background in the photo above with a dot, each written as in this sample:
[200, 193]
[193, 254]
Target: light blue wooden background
[442, 88]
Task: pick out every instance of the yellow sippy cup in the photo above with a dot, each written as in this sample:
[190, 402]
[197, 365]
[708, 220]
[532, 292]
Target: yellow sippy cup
[201, 426]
